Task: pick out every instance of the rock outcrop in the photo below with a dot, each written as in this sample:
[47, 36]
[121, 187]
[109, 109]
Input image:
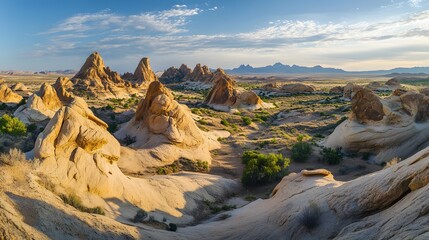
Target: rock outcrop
[78, 153]
[396, 126]
[350, 89]
[164, 131]
[143, 75]
[40, 106]
[8, 96]
[200, 74]
[97, 80]
[19, 87]
[337, 90]
[174, 75]
[225, 95]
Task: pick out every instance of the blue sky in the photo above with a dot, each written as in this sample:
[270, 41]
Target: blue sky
[353, 35]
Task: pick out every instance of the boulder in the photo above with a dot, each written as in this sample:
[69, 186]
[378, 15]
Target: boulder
[393, 82]
[350, 89]
[8, 96]
[396, 126]
[225, 96]
[366, 106]
[337, 90]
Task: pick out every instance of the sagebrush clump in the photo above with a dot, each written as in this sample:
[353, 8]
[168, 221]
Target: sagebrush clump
[301, 151]
[310, 217]
[12, 125]
[263, 168]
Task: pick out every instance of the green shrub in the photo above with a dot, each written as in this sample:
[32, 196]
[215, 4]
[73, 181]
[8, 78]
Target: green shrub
[310, 217]
[246, 120]
[128, 140]
[172, 227]
[301, 151]
[331, 156]
[263, 168]
[74, 200]
[12, 126]
[140, 216]
[32, 128]
[224, 122]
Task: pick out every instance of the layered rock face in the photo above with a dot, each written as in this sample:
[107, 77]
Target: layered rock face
[78, 153]
[164, 131]
[200, 74]
[174, 75]
[97, 80]
[43, 104]
[143, 75]
[396, 126]
[19, 87]
[225, 95]
[8, 96]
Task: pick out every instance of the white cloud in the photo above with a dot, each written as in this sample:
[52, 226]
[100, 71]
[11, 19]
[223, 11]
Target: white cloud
[357, 45]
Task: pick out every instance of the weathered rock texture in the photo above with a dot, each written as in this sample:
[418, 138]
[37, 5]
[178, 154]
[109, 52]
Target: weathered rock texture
[143, 75]
[174, 75]
[43, 104]
[297, 88]
[164, 132]
[19, 87]
[97, 80]
[396, 126]
[8, 96]
[200, 74]
[389, 204]
[225, 95]
[78, 154]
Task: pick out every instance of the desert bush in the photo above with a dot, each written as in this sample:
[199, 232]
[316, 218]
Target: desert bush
[172, 227]
[310, 217]
[301, 151]
[224, 122]
[331, 156]
[113, 127]
[392, 162]
[12, 126]
[128, 140]
[140, 216]
[32, 128]
[263, 168]
[13, 157]
[75, 201]
[246, 120]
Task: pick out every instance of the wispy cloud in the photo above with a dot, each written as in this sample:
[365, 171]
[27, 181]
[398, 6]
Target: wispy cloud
[168, 21]
[164, 35]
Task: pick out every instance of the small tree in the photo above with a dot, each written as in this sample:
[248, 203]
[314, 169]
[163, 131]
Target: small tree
[12, 126]
[301, 151]
[263, 168]
[331, 156]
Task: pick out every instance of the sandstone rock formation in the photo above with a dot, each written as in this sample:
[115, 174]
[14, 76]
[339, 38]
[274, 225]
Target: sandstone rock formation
[391, 84]
[40, 106]
[19, 87]
[143, 75]
[174, 75]
[297, 88]
[350, 89]
[78, 154]
[200, 74]
[97, 80]
[8, 96]
[164, 132]
[337, 90]
[225, 95]
[396, 126]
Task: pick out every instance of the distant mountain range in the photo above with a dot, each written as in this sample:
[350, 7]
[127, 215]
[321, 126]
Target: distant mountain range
[279, 68]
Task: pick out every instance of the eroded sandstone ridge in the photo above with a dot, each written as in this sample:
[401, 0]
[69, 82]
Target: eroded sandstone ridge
[396, 126]
[97, 80]
[225, 95]
[143, 75]
[173, 75]
[164, 131]
[7, 95]
[43, 104]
